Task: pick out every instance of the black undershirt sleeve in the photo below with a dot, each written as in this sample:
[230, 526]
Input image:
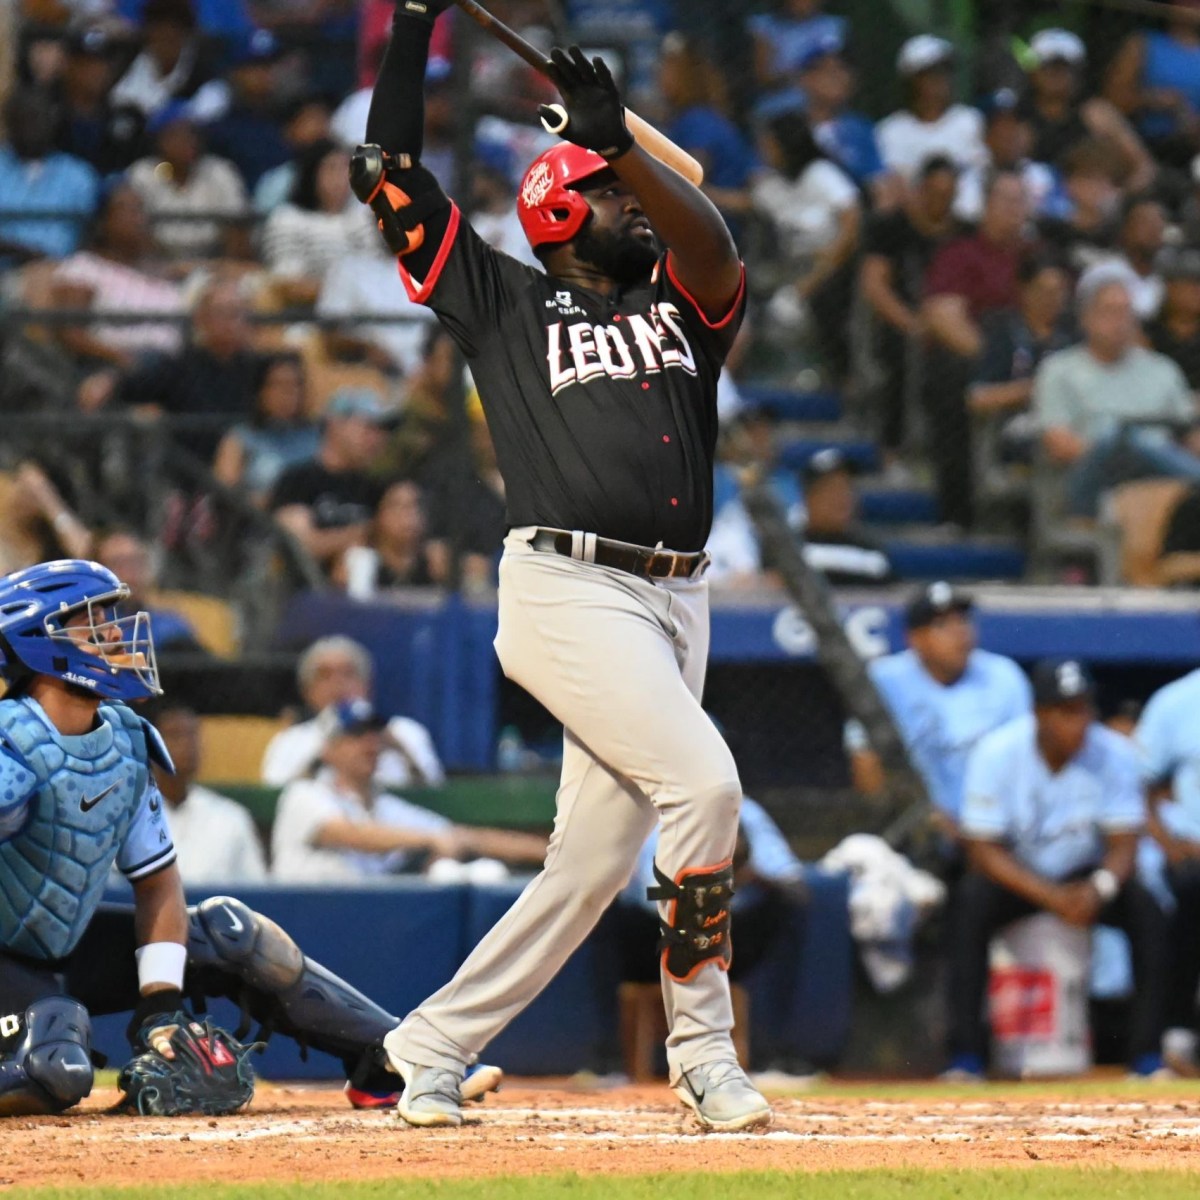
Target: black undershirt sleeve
[396, 120]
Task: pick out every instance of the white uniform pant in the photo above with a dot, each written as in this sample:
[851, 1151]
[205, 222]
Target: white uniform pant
[621, 662]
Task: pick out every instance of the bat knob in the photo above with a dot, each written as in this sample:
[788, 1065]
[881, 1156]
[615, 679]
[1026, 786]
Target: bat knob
[561, 118]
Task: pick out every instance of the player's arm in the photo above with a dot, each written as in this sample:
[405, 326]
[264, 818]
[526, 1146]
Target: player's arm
[703, 256]
[160, 920]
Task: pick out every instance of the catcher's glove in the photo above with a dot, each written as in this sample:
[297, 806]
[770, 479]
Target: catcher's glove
[187, 1067]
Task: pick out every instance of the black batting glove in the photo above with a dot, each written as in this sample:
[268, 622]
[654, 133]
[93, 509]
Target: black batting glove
[595, 116]
[423, 10]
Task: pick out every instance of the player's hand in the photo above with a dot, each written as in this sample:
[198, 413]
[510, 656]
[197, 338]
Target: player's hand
[591, 115]
[1078, 904]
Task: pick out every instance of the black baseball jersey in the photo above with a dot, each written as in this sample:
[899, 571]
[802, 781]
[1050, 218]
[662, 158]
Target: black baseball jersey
[603, 410]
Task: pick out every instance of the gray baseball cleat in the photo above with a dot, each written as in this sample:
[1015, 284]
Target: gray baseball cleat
[722, 1097]
[432, 1095]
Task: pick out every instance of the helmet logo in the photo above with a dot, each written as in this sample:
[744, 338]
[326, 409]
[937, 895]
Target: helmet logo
[81, 680]
[537, 187]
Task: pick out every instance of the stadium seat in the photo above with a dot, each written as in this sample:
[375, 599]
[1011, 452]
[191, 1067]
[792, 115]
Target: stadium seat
[231, 748]
[214, 620]
[1141, 511]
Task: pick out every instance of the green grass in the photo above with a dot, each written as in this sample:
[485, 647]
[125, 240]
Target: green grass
[1042, 1183]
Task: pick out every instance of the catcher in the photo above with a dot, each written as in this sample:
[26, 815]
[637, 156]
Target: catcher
[76, 796]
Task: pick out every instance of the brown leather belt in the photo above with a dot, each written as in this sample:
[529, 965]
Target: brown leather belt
[642, 561]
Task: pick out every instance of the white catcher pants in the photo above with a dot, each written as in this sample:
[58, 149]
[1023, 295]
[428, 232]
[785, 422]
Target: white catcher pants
[621, 662]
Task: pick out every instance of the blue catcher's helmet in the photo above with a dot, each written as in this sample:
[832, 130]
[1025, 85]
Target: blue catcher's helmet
[40, 633]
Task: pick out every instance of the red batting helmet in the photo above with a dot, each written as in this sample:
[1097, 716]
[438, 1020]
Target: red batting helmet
[551, 211]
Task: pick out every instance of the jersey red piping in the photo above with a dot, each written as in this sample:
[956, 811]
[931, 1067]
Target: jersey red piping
[418, 295]
[733, 307]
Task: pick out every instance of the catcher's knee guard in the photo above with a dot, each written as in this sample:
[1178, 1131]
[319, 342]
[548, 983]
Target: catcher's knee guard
[282, 988]
[49, 1067]
[697, 927]
[400, 210]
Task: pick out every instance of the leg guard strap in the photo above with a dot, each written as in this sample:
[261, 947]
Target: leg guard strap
[697, 927]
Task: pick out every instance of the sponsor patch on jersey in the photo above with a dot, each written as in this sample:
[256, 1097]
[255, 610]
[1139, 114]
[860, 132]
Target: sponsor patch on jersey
[537, 186]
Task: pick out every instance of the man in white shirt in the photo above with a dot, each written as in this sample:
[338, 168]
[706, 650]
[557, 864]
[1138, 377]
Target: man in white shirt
[339, 826]
[215, 839]
[333, 670]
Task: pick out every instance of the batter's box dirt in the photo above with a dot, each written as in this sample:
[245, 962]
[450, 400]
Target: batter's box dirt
[528, 1129]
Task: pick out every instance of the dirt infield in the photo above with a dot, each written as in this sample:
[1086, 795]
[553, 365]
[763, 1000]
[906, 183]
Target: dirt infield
[537, 1127]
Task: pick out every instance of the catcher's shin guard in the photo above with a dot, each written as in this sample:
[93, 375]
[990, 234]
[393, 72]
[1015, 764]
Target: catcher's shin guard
[281, 988]
[399, 213]
[49, 1066]
[696, 930]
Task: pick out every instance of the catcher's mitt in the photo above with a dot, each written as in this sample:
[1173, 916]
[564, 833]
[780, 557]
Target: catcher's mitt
[187, 1067]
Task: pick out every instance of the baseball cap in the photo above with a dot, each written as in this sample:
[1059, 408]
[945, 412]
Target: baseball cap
[933, 601]
[1062, 680]
[1179, 262]
[257, 46]
[1002, 102]
[174, 110]
[349, 718]
[358, 402]
[828, 41]
[824, 463]
[89, 41]
[922, 52]
[1057, 45]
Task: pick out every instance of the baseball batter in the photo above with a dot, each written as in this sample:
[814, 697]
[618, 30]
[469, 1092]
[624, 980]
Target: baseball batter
[598, 378]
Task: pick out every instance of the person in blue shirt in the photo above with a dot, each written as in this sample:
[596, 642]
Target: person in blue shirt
[78, 797]
[944, 694]
[1051, 817]
[1168, 736]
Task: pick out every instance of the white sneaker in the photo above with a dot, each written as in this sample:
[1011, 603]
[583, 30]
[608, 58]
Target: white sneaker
[479, 1080]
[722, 1097]
[432, 1096]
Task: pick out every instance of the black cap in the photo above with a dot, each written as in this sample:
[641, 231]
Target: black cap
[89, 41]
[933, 601]
[1179, 262]
[825, 462]
[1062, 681]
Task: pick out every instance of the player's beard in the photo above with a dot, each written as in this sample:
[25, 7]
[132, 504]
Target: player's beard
[624, 257]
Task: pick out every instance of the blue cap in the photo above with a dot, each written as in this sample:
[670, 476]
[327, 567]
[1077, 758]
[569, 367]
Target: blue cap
[172, 111]
[934, 601]
[1002, 100]
[358, 402]
[1062, 681]
[349, 718]
[825, 43]
[257, 46]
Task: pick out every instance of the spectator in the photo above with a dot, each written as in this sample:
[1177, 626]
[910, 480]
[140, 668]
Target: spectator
[36, 178]
[180, 178]
[1140, 242]
[1179, 555]
[1176, 331]
[340, 826]
[254, 454]
[968, 278]
[118, 273]
[1101, 407]
[327, 503]
[694, 92]
[396, 553]
[898, 247]
[834, 544]
[930, 123]
[1061, 120]
[781, 40]
[215, 839]
[210, 383]
[248, 130]
[828, 83]
[1083, 220]
[335, 670]
[493, 204]
[1155, 81]
[170, 65]
[816, 209]
[321, 224]
[944, 694]
[89, 125]
[131, 559]
[306, 122]
[38, 523]
[1050, 822]
[1167, 736]
[1008, 137]
[1015, 341]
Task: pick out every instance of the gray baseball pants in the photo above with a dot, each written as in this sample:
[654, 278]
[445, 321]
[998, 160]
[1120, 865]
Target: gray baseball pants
[620, 661]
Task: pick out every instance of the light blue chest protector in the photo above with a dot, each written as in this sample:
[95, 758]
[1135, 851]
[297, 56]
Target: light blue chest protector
[85, 791]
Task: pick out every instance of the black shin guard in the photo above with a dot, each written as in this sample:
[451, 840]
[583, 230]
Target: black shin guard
[696, 930]
[48, 1067]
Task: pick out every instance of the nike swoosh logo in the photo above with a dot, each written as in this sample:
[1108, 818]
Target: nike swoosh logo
[234, 921]
[86, 805]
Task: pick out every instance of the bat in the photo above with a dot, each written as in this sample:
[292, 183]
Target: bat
[656, 144]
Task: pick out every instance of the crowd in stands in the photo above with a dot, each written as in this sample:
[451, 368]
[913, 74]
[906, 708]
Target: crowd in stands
[934, 263]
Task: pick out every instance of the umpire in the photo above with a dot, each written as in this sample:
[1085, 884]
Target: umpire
[1051, 816]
